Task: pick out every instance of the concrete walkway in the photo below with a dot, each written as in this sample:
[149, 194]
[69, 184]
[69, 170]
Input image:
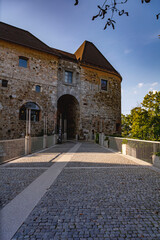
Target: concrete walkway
[85, 193]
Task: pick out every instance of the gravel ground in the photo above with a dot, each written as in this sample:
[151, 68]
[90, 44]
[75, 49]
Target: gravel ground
[98, 203]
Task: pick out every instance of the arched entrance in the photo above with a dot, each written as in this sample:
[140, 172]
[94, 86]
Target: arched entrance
[68, 115]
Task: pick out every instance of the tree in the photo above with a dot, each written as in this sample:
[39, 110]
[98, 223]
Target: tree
[151, 103]
[140, 123]
[144, 122]
[126, 125]
[111, 7]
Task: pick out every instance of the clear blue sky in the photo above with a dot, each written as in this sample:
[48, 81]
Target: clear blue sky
[133, 48]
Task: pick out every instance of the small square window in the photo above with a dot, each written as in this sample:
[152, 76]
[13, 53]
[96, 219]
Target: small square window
[68, 77]
[104, 85]
[23, 62]
[38, 88]
[4, 83]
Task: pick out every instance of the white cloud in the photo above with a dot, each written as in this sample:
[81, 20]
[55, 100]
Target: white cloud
[127, 51]
[154, 84]
[140, 85]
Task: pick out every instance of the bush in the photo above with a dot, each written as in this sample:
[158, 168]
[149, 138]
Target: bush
[124, 141]
[106, 138]
[158, 154]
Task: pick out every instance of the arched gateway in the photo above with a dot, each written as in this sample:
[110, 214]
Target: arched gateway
[68, 116]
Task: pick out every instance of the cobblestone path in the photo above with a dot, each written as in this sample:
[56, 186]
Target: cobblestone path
[98, 195]
[16, 175]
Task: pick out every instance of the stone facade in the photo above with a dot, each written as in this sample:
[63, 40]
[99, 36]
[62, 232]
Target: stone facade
[84, 106]
[100, 110]
[42, 70]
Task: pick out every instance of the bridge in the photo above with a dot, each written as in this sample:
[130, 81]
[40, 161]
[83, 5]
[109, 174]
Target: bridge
[79, 190]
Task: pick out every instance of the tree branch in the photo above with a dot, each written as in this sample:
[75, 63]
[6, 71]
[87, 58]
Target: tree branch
[112, 9]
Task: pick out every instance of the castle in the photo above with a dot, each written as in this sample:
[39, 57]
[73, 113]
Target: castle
[78, 93]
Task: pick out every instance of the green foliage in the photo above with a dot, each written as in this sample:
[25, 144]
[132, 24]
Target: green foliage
[151, 103]
[158, 154]
[125, 125]
[144, 122]
[140, 123]
[124, 141]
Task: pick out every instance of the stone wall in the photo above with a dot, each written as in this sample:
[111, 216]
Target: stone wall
[69, 96]
[41, 70]
[11, 149]
[140, 149]
[100, 110]
[73, 89]
[36, 144]
[94, 110]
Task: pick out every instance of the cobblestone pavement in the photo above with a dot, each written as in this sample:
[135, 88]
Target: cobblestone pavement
[16, 175]
[92, 155]
[13, 181]
[42, 159]
[98, 195]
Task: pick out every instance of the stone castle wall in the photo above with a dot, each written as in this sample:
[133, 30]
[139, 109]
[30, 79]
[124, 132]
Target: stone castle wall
[98, 110]
[73, 89]
[42, 71]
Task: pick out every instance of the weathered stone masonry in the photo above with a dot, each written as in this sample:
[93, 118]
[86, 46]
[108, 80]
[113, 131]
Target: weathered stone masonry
[83, 104]
[42, 70]
[101, 110]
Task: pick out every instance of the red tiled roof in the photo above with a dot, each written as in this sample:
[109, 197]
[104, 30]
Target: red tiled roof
[19, 36]
[89, 55]
[65, 55]
[86, 54]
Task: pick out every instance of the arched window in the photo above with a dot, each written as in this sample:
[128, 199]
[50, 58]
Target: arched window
[35, 111]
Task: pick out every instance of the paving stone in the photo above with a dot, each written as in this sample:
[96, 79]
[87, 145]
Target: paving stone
[14, 181]
[18, 174]
[98, 203]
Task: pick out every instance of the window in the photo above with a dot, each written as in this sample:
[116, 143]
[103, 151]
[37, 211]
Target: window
[23, 62]
[4, 83]
[35, 111]
[68, 77]
[38, 88]
[104, 85]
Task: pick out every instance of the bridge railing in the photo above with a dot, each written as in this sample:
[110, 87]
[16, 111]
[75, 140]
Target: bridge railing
[14, 148]
[141, 149]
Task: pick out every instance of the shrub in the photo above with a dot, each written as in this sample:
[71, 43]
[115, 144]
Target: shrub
[158, 154]
[124, 141]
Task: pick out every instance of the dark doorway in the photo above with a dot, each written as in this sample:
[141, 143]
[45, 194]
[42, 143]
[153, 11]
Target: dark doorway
[68, 109]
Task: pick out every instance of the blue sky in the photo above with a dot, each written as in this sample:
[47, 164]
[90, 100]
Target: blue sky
[133, 48]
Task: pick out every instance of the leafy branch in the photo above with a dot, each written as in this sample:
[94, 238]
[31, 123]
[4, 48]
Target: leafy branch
[112, 8]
